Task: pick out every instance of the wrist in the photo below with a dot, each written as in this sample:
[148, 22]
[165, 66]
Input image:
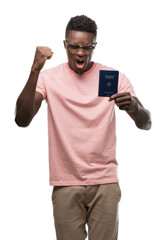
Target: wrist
[35, 69]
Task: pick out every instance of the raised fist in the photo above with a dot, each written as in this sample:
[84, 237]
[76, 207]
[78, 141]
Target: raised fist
[41, 55]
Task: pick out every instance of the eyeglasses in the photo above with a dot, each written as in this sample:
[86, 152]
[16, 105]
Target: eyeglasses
[75, 48]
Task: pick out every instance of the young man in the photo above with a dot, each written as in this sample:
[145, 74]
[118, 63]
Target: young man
[82, 140]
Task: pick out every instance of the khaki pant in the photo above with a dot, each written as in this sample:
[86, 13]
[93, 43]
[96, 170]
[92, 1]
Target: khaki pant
[94, 205]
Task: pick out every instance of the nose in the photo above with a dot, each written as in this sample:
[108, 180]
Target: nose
[80, 52]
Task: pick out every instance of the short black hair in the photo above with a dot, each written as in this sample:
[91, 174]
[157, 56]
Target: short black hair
[81, 23]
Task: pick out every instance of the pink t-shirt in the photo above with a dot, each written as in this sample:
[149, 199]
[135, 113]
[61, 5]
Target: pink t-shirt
[81, 126]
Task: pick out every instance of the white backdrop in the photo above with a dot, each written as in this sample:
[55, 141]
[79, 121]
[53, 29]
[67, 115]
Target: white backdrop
[131, 38]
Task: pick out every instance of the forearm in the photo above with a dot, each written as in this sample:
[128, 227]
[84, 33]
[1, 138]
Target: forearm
[141, 116]
[25, 104]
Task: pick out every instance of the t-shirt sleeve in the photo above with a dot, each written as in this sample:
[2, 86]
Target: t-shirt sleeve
[124, 85]
[41, 85]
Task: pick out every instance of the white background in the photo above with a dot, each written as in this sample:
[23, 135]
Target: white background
[131, 38]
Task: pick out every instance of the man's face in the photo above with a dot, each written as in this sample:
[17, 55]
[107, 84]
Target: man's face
[79, 60]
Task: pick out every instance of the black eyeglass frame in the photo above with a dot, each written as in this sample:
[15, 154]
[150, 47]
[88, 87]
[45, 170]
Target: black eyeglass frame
[75, 48]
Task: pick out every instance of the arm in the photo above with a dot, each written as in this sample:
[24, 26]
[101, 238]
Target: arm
[134, 108]
[29, 101]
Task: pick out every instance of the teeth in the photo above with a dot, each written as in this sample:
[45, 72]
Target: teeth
[80, 62]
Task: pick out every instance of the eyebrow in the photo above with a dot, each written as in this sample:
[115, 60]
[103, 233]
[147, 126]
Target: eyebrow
[73, 43]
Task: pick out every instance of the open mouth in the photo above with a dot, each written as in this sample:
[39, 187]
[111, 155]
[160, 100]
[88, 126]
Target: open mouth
[80, 64]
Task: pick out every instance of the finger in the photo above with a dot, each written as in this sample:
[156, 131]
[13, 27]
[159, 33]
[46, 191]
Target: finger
[118, 95]
[118, 98]
[123, 103]
[122, 99]
[125, 107]
[50, 55]
[113, 97]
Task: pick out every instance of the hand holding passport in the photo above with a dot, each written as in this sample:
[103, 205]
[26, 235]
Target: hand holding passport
[108, 83]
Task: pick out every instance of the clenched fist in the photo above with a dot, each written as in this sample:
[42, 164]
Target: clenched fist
[41, 55]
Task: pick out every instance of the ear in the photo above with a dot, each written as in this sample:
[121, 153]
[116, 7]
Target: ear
[65, 44]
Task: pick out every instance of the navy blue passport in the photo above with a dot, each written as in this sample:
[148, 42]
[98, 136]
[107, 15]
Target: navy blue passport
[108, 83]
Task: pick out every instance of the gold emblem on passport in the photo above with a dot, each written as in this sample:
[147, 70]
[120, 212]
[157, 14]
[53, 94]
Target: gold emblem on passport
[109, 84]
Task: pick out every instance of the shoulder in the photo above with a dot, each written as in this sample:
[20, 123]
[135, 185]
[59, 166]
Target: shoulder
[103, 67]
[100, 66]
[52, 73]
